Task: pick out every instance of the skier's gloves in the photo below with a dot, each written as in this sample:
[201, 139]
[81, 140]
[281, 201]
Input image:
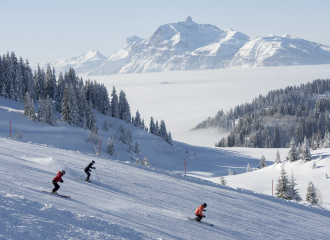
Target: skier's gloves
[61, 181]
[204, 210]
[204, 216]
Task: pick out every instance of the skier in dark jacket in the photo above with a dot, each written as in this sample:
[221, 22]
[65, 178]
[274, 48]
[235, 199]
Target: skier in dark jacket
[88, 169]
[57, 179]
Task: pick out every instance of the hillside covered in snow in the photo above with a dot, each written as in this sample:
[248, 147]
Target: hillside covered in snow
[127, 200]
[192, 46]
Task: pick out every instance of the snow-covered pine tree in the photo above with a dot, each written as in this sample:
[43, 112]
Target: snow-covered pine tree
[111, 147]
[293, 192]
[40, 84]
[162, 130]
[41, 112]
[311, 196]
[48, 79]
[81, 103]
[137, 119]
[90, 117]
[195, 154]
[157, 128]
[223, 181]
[20, 87]
[137, 148]
[49, 112]
[278, 157]
[169, 138]
[299, 148]
[248, 169]
[28, 76]
[59, 92]
[69, 106]
[262, 162]
[326, 141]
[128, 136]
[293, 154]
[230, 172]
[130, 148]
[105, 125]
[282, 187]
[124, 108]
[305, 151]
[152, 127]
[114, 103]
[142, 124]
[27, 104]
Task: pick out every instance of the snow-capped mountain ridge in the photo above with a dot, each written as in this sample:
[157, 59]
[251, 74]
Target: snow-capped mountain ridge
[192, 46]
[83, 63]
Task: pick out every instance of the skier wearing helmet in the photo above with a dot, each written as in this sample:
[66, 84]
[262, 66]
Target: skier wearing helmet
[57, 179]
[199, 212]
[88, 170]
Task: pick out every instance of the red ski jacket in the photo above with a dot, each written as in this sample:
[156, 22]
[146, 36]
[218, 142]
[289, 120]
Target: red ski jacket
[58, 177]
[199, 210]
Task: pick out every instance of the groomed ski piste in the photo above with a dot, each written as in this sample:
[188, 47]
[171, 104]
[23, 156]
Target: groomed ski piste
[127, 200]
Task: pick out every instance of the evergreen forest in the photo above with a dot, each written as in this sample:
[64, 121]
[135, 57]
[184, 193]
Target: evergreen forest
[271, 121]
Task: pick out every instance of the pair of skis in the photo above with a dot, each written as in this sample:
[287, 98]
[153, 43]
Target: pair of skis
[56, 194]
[194, 220]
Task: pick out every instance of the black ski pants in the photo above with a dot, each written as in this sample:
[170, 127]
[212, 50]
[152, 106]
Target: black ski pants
[88, 175]
[56, 186]
[198, 218]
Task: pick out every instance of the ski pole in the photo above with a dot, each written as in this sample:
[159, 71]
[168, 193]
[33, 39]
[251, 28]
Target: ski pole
[97, 175]
[79, 177]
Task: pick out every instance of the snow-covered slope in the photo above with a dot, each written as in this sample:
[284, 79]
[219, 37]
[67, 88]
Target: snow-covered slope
[134, 202]
[192, 46]
[280, 51]
[84, 63]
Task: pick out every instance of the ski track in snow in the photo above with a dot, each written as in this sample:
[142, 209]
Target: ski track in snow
[132, 202]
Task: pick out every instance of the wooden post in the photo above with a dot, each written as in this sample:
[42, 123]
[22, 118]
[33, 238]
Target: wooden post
[185, 171]
[10, 129]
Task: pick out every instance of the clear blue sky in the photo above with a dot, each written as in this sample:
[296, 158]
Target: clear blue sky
[43, 31]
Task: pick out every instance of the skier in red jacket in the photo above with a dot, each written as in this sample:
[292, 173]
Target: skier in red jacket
[57, 179]
[199, 212]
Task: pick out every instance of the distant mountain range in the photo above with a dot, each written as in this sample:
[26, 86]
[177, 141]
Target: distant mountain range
[192, 46]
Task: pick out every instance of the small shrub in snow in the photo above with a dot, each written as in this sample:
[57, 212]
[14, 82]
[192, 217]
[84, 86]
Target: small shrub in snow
[248, 169]
[137, 148]
[187, 151]
[195, 154]
[262, 162]
[92, 137]
[111, 147]
[223, 181]
[314, 165]
[105, 125]
[18, 135]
